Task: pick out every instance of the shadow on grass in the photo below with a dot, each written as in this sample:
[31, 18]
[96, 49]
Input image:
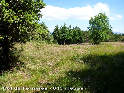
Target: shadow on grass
[13, 60]
[105, 74]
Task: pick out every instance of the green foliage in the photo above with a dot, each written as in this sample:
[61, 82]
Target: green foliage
[99, 28]
[17, 21]
[41, 33]
[86, 35]
[68, 35]
[117, 37]
[20, 16]
[77, 35]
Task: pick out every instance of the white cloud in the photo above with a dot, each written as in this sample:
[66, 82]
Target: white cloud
[56, 14]
[53, 13]
[116, 17]
[119, 16]
[82, 13]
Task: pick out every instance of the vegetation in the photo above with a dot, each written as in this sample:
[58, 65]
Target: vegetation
[100, 28]
[96, 68]
[117, 37]
[41, 33]
[72, 65]
[17, 21]
[68, 35]
[99, 31]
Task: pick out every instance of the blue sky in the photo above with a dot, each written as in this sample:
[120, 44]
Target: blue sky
[78, 13]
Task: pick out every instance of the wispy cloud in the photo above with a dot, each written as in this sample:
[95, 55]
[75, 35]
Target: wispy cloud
[116, 17]
[119, 16]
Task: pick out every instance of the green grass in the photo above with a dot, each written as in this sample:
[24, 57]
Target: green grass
[96, 68]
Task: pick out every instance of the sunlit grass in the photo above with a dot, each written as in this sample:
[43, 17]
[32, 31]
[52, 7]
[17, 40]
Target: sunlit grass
[47, 65]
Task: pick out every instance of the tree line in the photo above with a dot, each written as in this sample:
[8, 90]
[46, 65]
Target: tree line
[99, 30]
[68, 35]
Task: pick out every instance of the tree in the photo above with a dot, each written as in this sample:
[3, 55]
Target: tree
[41, 33]
[56, 34]
[86, 35]
[77, 35]
[117, 37]
[18, 19]
[61, 34]
[68, 35]
[99, 28]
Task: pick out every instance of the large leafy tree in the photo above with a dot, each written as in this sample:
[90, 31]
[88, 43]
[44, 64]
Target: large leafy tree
[17, 21]
[99, 28]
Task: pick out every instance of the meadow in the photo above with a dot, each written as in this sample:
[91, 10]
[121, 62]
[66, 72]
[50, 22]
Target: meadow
[75, 68]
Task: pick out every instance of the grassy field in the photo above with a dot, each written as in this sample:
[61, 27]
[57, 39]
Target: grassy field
[51, 68]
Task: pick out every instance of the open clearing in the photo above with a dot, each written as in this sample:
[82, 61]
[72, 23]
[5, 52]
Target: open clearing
[97, 68]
